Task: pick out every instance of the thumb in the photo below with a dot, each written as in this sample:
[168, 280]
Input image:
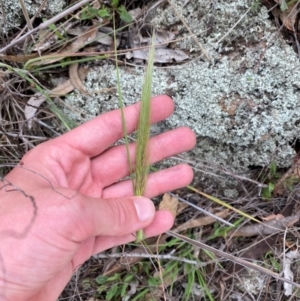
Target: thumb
[107, 217]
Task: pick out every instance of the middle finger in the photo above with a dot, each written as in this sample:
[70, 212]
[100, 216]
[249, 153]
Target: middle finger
[112, 165]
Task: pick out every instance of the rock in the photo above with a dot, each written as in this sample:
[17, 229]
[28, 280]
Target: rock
[12, 17]
[243, 104]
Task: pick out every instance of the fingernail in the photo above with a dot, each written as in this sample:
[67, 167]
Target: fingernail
[144, 208]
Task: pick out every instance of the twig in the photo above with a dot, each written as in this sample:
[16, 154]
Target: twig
[289, 173]
[222, 170]
[183, 21]
[155, 256]
[45, 24]
[202, 210]
[229, 31]
[232, 258]
[33, 18]
[26, 14]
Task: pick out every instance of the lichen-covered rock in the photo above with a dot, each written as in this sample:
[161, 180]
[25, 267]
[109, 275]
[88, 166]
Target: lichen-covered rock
[12, 16]
[243, 104]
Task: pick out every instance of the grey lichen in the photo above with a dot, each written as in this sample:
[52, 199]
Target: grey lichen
[12, 16]
[243, 105]
[250, 281]
[212, 22]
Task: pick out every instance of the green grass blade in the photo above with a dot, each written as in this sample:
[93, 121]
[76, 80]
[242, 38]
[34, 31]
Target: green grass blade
[222, 203]
[142, 159]
[121, 104]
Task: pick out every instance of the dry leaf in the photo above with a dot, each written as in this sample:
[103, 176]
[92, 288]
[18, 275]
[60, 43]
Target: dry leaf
[162, 55]
[97, 4]
[103, 35]
[288, 17]
[18, 58]
[61, 90]
[87, 37]
[287, 272]
[162, 39]
[169, 203]
[267, 228]
[67, 86]
[272, 216]
[47, 38]
[202, 221]
[135, 13]
[32, 105]
[74, 78]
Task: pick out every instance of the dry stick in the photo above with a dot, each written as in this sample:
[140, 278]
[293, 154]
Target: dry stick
[182, 20]
[26, 14]
[28, 21]
[231, 29]
[202, 210]
[222, 170]
[230, 257]
[45, 24]
[152, 244]
[156, 256]
[33, 18]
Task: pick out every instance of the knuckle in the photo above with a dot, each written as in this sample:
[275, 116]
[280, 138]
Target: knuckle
[121, 218]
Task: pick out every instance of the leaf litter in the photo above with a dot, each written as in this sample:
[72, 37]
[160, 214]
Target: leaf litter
[75, 82]
[272, 226]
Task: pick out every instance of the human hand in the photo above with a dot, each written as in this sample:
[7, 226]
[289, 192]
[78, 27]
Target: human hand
[82, 207]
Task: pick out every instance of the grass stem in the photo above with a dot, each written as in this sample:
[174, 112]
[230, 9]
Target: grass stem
[142, 158]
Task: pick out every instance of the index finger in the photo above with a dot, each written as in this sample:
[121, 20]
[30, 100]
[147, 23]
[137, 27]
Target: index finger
[95, 136]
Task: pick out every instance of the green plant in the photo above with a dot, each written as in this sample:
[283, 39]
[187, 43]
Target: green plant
[221, 231]
[56, 31]
[105, 11]
[66, 121]
[195, 275]
[90, 12]
[115, 286]
[283, 5]
[256, 5]
[141, 167]
[272, 262]
[271, 179]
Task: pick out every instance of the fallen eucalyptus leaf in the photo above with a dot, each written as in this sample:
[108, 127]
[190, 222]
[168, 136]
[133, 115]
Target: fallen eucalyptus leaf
[32, 105]
[266, 228]
[48, 37]
[287, 272]
[162, 55]
[102, 36]
[202, 221]
[169, 203]
[61, 90]
[74, 78]
[84, 39]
